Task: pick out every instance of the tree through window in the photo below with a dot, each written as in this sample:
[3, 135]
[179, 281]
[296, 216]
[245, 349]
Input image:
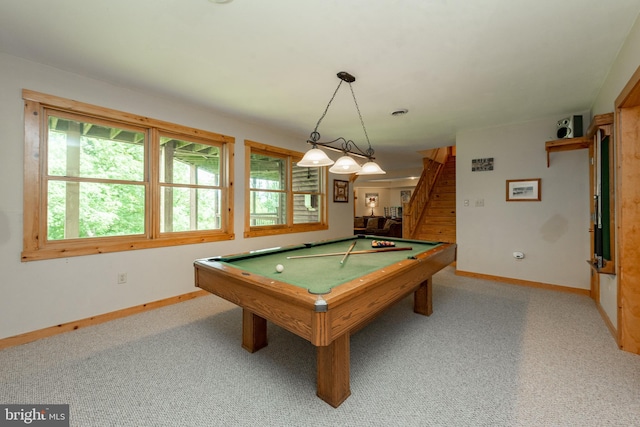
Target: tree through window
[98, 180]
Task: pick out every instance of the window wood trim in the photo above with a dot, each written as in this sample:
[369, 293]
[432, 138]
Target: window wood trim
[270, 230]
[36, 246]
[119, 116]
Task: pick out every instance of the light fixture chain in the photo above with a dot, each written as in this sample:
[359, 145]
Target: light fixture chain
[328, 105]
[369, 150]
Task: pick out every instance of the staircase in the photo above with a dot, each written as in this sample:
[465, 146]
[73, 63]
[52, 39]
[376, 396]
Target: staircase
[438, 220]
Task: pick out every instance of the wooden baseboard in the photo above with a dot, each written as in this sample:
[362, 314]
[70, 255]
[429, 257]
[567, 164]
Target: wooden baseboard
[95, 320]
[585, 292]
[607, 322]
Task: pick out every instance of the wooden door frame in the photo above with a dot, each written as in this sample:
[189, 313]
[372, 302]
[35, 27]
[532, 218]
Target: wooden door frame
[627, 122]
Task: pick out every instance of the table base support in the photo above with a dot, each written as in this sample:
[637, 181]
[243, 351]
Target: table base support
[254, 331]
[422, 298]
[333, 371]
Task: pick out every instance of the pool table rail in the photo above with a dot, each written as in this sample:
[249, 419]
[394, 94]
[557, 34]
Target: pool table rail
[353, 305]
[350, 307]
[288, 306]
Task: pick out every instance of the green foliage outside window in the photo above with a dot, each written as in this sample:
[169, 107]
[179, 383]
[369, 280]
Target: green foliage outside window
[78, 206]
[97, 186]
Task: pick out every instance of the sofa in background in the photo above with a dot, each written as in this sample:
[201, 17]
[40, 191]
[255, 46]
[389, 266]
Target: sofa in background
[377, 225]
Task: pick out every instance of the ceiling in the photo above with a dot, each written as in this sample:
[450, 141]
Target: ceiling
[454, 64]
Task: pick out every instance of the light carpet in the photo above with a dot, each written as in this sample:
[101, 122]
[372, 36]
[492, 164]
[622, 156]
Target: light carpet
[491, 354]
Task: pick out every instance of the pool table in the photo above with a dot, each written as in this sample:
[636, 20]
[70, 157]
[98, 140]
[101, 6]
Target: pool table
[322, 295]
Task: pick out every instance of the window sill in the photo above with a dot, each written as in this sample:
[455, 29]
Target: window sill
[94, 247]
[271, 231]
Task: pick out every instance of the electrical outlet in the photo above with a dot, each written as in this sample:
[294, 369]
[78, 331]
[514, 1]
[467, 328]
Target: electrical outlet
[122, 278]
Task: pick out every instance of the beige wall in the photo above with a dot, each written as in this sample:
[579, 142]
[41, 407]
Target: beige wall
[552, 233]
[40, 294]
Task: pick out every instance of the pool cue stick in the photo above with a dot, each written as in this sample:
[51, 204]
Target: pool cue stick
[348, 251]
[366, 251]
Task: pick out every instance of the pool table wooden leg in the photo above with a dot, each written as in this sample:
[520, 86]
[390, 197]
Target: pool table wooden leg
[333, 371]
[254, 331]
[422, 298]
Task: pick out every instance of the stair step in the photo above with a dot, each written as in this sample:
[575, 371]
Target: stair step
[437, 229]
[446, 183]
[437, 238]
[441, 212]
[444, 196]
[447, 220]
[451, 182]
[444, 192]
[439, 220]
[439, 204]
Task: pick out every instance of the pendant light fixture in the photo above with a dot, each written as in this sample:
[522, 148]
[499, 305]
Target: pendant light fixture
[315, 157]
[344, 165]
[370, 168]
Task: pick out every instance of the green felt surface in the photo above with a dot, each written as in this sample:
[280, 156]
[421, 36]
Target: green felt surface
[320, 274]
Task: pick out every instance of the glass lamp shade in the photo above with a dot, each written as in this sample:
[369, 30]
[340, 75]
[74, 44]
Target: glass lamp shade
[315, 158]
[370, 168]
[345, 165]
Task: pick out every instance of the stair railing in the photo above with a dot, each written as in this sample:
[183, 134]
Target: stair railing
[412, 211]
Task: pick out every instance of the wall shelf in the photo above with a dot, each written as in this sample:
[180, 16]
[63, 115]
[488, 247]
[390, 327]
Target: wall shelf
[566, 144]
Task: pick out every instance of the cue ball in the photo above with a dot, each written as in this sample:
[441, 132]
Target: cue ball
[279, 268]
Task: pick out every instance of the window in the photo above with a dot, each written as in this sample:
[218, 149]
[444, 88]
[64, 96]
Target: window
[280, 196]
[98, 180]
[190, 191]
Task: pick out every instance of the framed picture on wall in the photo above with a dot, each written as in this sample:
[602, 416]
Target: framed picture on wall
[371, 199]
[405, 196]
[481, 165]
[523, 190]
[340, 191]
